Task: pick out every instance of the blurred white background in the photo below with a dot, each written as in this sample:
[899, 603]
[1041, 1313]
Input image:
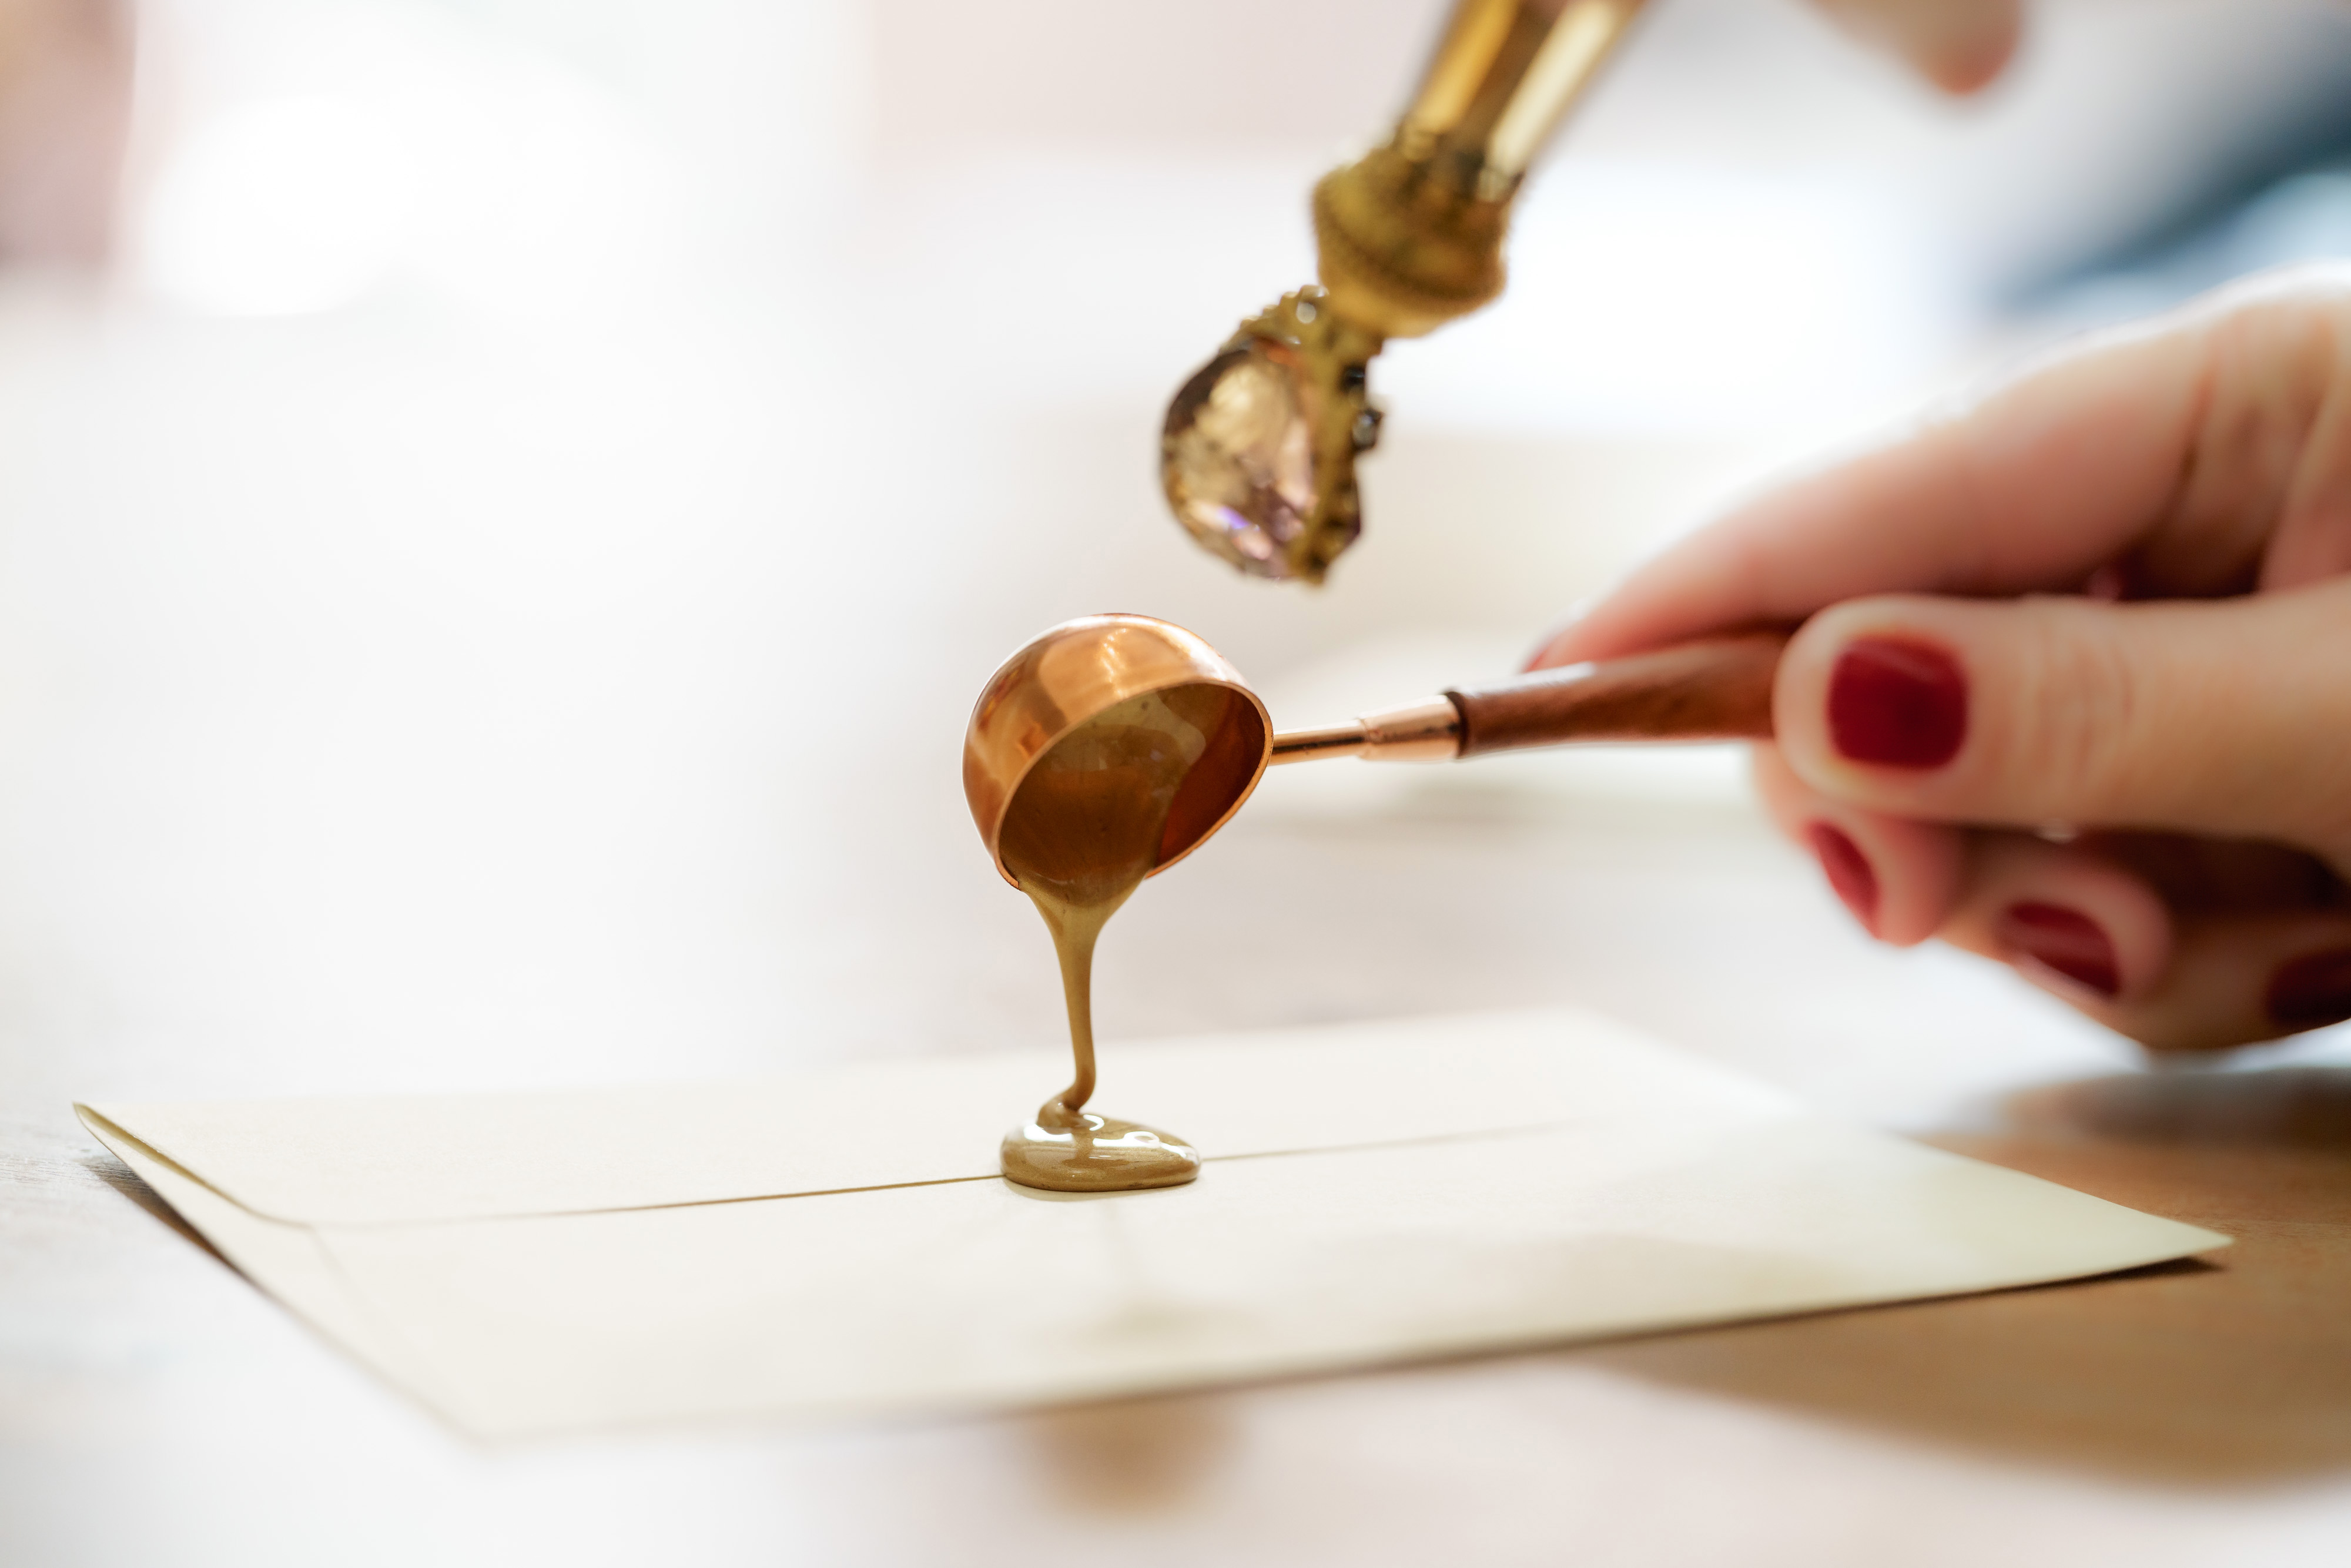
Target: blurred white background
[492, 571]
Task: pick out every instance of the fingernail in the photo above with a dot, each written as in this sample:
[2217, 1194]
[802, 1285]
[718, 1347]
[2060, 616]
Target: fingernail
[1899, 704]
[2065, 940]
[1849, 873]
[2312, 989]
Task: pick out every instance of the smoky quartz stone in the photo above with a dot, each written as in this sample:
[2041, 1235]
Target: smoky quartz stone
[1257, 454]
[1238, 455]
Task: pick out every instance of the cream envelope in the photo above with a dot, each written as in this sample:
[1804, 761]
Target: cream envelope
[840, 1243]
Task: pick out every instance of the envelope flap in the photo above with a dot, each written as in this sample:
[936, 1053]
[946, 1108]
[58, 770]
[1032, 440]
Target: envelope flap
[900, 1123]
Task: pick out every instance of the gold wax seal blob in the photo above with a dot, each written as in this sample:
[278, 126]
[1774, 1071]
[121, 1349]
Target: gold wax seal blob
[1089, 821]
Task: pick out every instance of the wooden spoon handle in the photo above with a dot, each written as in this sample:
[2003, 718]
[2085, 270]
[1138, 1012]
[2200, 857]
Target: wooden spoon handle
[1717, 689]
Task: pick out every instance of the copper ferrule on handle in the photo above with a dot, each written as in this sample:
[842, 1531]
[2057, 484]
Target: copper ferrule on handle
[1424, 732]
[1315, 745]
[1716, 689]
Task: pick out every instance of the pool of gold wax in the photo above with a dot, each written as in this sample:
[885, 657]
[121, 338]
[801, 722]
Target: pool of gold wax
[1084, 829]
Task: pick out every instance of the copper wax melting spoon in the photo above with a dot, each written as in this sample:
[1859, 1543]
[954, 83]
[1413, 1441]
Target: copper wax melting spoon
[1081, 671]
[1716, 689]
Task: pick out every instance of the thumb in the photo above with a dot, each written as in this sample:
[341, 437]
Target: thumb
[2227, 718]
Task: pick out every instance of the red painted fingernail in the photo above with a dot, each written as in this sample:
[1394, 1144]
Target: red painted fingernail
[2065, 940]
[1900, 705]
[1849, 873]
[2312, 989]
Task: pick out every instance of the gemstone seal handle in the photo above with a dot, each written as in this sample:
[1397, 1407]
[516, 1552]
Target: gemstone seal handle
[1717, 689]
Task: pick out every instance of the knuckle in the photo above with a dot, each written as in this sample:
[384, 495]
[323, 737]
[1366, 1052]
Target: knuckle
[2080, 721]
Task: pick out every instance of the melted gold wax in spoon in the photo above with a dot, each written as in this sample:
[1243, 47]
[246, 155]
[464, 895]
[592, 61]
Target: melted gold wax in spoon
[1085, 829]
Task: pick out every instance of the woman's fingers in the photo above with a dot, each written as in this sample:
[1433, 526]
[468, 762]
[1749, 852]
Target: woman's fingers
[2205, 454]
[1899, 879]
[2242, 978]
[1958, 45]
[2228, 719]
[2225, 720]
[2098, 934]
[2254, 944]
[2070, 920]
